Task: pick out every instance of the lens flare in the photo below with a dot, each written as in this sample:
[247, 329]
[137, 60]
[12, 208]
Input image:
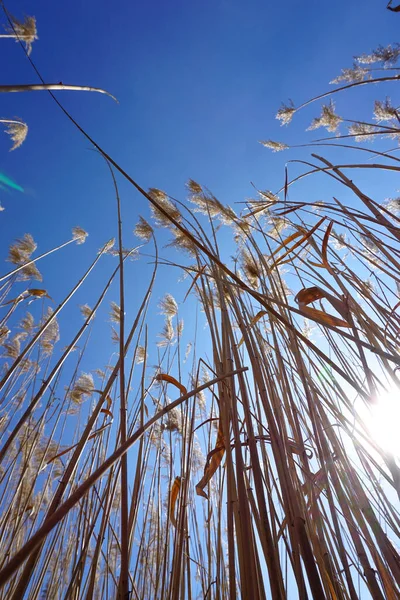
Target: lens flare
[6, 181]
[383, 421]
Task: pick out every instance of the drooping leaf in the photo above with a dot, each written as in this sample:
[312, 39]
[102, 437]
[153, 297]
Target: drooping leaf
[325, 318]
[39, 293]
[169, 379]
[325, 245]
[304, 238]
[214, 459]
[308, 295]
[176, 486]
[107, 412]
[109, 401]
[287, 241]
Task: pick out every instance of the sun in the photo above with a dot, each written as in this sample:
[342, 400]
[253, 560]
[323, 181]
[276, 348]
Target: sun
[383, 420]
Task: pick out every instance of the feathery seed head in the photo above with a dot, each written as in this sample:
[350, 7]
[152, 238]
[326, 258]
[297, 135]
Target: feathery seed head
[84, 386]
[115, 314]
[12, 348]
[4, 333]
[27, 323]
[285, 113]
[165, 203]
[107, 246]
[114, 335]
[384, 111]
[387, 55]
[250, 268]
[25, 31]
[140, 355]
[21, 250]
[328, 118]
[168, 306]
[268, 195]
[86, 311]
[143, 230]
[30, 272]
[179, 327]
[17, 132]
[167, 335]
[393, 205]
[182, 242]
[363, 132]
[174, 420]
[133, 253]
[51, 335]
[279, 224]
[79, 235]
[274, 146]
[208, 205]
[354, 75]
[194, 187]
[339, 240]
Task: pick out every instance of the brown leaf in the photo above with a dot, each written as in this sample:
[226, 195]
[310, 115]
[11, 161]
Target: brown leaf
[107, 412]
[325, 245]
[39, 293]
[214, 459]
[287, 241]
[170, 379]
[304, 238]
[176, 486]
[324, 317]
[308, 295]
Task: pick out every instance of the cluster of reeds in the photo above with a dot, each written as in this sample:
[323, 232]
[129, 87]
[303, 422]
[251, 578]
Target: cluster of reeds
[246, 463]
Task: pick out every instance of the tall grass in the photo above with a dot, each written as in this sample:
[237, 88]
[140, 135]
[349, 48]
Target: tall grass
[247, 464]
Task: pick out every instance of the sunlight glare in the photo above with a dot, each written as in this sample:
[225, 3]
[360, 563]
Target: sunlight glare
[383, 421]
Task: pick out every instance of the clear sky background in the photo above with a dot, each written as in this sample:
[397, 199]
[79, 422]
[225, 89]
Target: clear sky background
[198, 85]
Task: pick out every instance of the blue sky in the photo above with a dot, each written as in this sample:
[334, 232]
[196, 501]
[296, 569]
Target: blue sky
[198, 85]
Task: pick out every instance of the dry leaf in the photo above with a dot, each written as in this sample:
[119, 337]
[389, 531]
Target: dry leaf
[304, 238]
[308, 295]
[107, 412]
[325, 318]
[214, 459]
[39, 293]
[176, 486]
[325, 245]
[175, 382]
[253, 321]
